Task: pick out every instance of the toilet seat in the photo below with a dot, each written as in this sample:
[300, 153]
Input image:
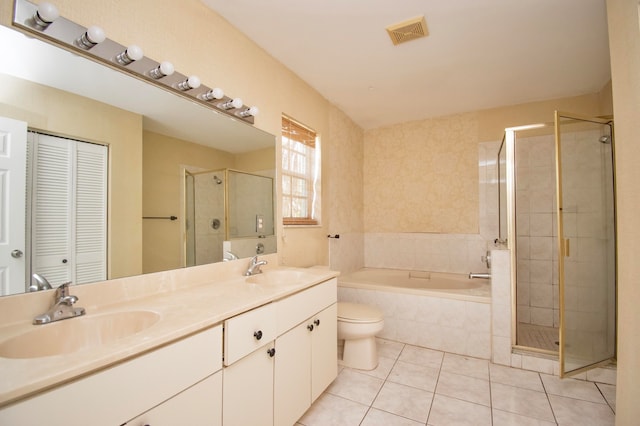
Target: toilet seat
[358, 313]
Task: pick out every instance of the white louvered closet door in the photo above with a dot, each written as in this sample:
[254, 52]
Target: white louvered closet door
[68, 210]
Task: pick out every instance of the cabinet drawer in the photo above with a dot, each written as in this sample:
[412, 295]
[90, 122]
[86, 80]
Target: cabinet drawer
[120, 393]
[247, 332]
[298, 307]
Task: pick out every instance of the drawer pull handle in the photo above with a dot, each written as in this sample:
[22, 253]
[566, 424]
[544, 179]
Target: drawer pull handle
[271, 352]
[258, 334]
[310, 327]
[317, 322]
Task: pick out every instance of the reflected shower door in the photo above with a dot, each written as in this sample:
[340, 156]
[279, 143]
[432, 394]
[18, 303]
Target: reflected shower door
[586, 241]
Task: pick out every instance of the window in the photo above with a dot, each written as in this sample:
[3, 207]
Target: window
[300, 174]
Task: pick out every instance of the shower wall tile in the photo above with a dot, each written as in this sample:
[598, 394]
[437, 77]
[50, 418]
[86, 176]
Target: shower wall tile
[541, 295]
[541, 316]
[541, 248]
[540, 225]
[540, 272]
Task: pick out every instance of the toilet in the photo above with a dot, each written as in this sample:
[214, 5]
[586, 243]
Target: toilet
[358, 325]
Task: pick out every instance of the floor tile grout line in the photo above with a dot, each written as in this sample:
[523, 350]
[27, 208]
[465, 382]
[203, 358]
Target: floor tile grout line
[435, 388]
[553, 412]
[395, 361]
[604, 397]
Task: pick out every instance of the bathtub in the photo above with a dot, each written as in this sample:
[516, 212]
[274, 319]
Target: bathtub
[442, 311]
[439, 284]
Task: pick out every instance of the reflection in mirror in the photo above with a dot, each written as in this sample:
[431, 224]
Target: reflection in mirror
[229, 208]
[152, 137]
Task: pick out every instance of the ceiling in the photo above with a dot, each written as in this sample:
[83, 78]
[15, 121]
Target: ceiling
[478, 54]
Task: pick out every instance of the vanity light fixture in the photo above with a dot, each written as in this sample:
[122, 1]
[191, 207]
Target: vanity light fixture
[91, 37]
[212, 94]
[231, 104]
[129, 55]
[192, 82]
[45, 14]
[249, 112]
[164, 69]
[35, 20]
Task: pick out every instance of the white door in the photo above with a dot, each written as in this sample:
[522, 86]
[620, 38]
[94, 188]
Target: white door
[13, 152]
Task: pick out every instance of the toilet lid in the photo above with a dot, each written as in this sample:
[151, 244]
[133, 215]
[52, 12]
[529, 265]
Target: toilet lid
[358, 312]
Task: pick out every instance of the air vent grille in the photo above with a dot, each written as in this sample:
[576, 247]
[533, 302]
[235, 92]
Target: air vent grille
[408, 30]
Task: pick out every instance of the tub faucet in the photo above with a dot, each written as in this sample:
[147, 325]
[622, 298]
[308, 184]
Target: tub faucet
[254, 266]
[62, 307]
[483, 275]
[41, 283]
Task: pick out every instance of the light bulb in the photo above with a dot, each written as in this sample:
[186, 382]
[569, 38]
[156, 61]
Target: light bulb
[231, 104]
[91, 37]
[216, 93]
[45, 14]
[132, 53]
[192, 82]
[165, 68]
[249, 112]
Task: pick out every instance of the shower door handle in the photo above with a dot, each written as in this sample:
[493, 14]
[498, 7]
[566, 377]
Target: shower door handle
[566, 247]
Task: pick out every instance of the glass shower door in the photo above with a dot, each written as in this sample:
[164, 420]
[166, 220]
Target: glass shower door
[586, 241]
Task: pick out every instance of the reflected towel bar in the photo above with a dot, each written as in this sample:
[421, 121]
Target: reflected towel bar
[161, 217]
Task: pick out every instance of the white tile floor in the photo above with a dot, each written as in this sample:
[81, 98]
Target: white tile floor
[418, 386]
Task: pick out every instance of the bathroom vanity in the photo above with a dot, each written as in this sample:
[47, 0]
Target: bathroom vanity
[253, 350]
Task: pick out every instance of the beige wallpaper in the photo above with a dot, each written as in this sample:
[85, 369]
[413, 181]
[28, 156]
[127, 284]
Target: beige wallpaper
[65, 114]
[422, 176]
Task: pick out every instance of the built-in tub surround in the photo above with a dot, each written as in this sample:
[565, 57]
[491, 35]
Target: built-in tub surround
[187, 300]
[455, 320]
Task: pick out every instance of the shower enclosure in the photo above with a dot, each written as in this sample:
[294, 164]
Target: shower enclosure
[557, 208]
[229, 213]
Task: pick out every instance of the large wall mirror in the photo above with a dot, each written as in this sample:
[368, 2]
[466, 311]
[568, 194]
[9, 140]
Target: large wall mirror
[154, 141]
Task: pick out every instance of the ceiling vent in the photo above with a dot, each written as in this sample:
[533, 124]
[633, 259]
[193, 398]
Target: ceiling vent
[408, 30]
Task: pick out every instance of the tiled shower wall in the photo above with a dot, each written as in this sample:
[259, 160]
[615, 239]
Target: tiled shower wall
[537, 263]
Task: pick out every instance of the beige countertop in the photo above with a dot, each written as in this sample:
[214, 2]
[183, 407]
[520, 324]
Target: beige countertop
[182, 312]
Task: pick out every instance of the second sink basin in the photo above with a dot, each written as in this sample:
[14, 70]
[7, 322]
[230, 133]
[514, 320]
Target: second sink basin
[76, 334]
[279, 277]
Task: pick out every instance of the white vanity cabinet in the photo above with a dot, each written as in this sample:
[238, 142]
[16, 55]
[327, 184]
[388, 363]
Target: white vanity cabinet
[275, 382]
[118, 394]
[248, 374]
[306, 353]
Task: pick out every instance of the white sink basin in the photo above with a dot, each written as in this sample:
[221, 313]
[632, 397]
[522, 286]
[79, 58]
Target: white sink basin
[76, 334]
[279, 277]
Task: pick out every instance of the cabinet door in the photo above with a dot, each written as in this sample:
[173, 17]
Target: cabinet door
[248, 390]
[201, 404]
[324, 350]
[292, 375]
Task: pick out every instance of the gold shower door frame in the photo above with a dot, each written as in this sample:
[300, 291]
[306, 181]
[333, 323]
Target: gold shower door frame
[581, 345]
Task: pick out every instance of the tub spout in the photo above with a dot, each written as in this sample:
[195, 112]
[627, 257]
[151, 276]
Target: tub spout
[483, 275]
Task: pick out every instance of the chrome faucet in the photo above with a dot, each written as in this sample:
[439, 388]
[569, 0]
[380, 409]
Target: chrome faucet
[254, 266]
[62, 307]
[41, 283]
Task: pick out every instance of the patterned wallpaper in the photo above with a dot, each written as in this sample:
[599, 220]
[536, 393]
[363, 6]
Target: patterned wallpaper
[422, 176]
